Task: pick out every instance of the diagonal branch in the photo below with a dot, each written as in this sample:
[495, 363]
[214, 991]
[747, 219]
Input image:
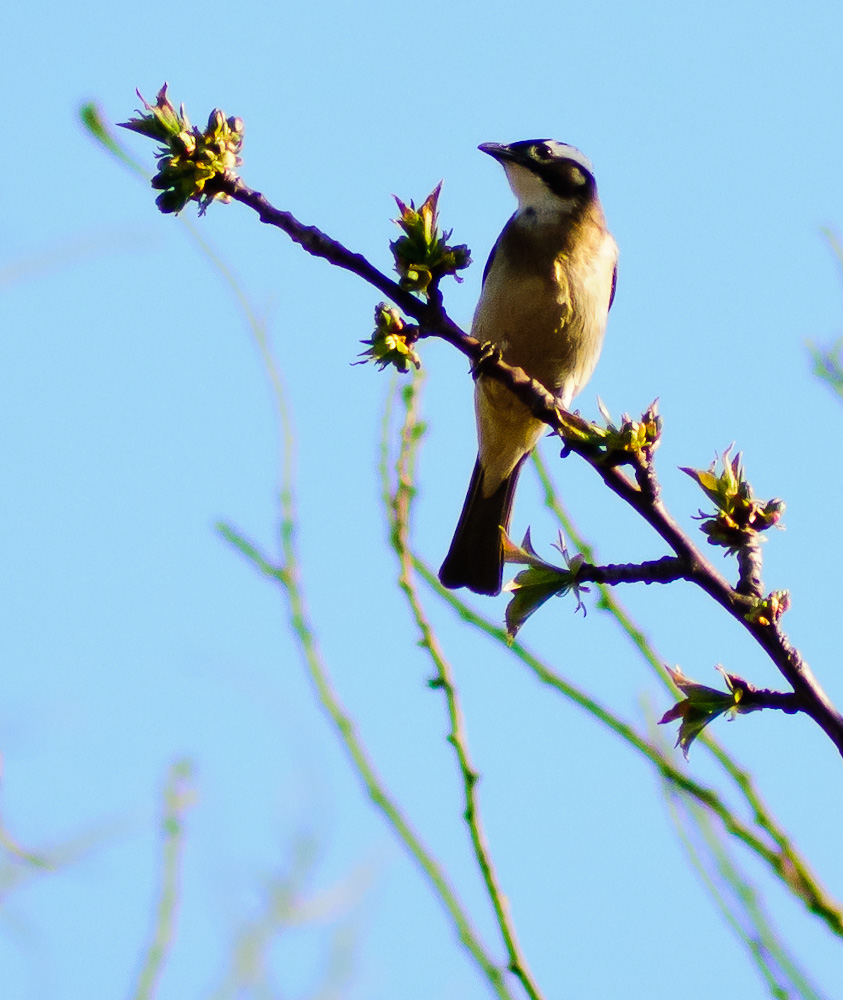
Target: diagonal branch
[641, 493]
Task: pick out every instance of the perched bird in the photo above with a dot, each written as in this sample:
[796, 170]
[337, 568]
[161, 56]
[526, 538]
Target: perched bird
[547, 289]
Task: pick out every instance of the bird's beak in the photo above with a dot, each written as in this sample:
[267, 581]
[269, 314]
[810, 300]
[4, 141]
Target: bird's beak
[503, 154]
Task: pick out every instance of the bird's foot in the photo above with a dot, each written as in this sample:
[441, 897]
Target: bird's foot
[489, 352]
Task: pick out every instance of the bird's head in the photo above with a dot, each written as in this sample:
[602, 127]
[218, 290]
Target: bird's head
[546, 176]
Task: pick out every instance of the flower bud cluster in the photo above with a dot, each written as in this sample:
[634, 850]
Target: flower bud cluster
[739, 517]
[392, 342]
[422, 255]
[539, 582]
[630, 441]
[768, 610]
[189, 159]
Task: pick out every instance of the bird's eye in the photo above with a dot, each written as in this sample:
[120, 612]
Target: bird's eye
[542, 151]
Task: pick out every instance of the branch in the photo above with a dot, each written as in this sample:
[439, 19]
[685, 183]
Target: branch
[398, 503]
[178, 797]
[432, 319]
[668, 569]
[754, 699]
[196, 165]
[287, 578]
[737, 900]
[790, 866]
[641, 493]
[767, 633]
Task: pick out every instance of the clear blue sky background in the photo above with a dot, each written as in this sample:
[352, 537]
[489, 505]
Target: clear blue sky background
[136, 414]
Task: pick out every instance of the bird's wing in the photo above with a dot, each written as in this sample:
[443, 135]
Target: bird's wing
[493, 251]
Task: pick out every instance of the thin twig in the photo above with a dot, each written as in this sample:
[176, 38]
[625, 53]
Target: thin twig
[287, 576]
[178, 796]
[809, 891]
[760, 939]
[398, 505]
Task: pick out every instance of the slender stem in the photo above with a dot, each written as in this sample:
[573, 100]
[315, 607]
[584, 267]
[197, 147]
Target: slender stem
[759, 938]
[398, 505]
[809, 891]
[177, 798]
[287, 576]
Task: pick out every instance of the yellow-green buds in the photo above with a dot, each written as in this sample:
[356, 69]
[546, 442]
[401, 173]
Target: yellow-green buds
[422, 255]
[392, 342]
[635, 437]
[768, 610]
[539, 582]
[620, 444]
[739, 516]
[189, 159]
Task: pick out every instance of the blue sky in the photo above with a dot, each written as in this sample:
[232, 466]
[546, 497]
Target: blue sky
[136, 415]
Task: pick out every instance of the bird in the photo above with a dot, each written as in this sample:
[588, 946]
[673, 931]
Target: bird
[547, 289]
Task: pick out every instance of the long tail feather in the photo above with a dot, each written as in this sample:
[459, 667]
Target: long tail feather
[475, 559]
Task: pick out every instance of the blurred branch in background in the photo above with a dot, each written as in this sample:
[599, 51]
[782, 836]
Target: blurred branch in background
[737, 899]
[828, 361]
[19, 866]
[288, 577]
[179, 796]
[73, 252]
[18, 860]
[398, 485]
[287, 904]
[828, 365]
